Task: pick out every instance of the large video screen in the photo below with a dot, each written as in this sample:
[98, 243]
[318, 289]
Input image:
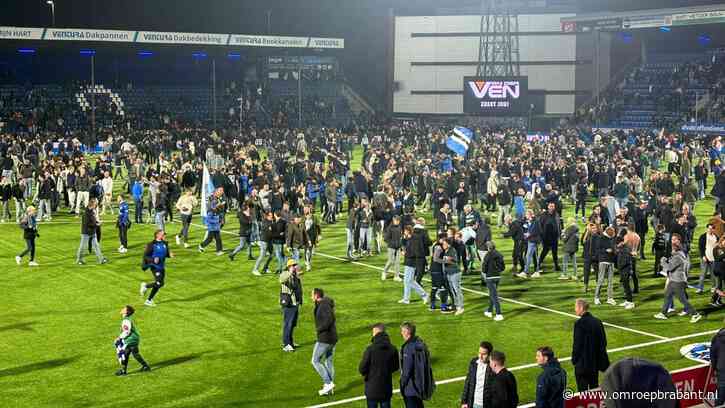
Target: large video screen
[496, 96]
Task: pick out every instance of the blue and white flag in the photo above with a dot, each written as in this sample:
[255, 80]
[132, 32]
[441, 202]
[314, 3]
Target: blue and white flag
[207, 189]
[460, 140]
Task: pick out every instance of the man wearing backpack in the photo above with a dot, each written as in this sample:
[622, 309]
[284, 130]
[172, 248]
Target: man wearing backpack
[416, 375]
[493, 265]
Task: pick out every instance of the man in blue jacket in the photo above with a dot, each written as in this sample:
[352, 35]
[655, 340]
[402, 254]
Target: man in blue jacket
[551, 383]
[137, 192]
[412, 375]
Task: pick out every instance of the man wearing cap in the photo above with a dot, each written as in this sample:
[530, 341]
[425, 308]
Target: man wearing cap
[290, 298]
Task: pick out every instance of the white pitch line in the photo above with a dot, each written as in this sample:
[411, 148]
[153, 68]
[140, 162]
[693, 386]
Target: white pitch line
[526, 366]
[518, 302]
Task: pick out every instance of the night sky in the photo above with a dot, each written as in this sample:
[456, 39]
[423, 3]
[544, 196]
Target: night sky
[360, 22]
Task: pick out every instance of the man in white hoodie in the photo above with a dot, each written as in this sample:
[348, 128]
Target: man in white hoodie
[107, 184]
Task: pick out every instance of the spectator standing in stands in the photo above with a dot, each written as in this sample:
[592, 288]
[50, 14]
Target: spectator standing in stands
[377, 366]
[589, 351]
[324, 351]
[504, 393]
[551, 383]
[478, 387]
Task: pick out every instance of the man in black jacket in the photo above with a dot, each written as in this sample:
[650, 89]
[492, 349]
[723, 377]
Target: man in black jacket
[504, 393]
[589, 355]
[89, 224]
[551, 231]
[717, 361]
[551, 383]
[479, 382]
[324, 350]
[641, 224]
[421, 244]
[377, 366]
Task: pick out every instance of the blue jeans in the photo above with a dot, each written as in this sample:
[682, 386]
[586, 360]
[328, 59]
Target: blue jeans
[530, 255]
[378, 403]
[262, 254]
[289, 321]
[279, 255]
[492, 285]
[409, 283]
[295, 254]
[160, 218]
[322, 357]
[413, 402]
[454, 284]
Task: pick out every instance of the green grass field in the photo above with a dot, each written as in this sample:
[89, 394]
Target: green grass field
[214, 339]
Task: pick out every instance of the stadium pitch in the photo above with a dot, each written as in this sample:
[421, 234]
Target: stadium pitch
[214, 339]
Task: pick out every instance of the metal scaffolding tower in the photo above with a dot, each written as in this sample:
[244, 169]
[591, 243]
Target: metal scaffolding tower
[498, 50]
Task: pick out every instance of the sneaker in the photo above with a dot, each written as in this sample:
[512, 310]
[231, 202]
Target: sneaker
[142, 291]
[200, 248]
[33, 263]
[149, 303]
[522, 275]
[404, 302]
[597, 301]
[120, 249]
[682, 313]
[231, 257]
[18, 260]
[660, 316]
[695, 318]
[488, 314]
[398, 279]
[120, 372]
[624, 303]
[178, 240]
[256, 273]
[288, 348]
[186, 245]
[383, 276]
[498, 318]
[459, 312]
[671, 310]
[327, 389]
[536, 274]
[629, 306]
[612, 302]
[145, 368]
[104, 261]
[563, 277]
[220, 253]
[432, 308]
[81, 262]
[308, 268]
[698, 291]
[426, 300]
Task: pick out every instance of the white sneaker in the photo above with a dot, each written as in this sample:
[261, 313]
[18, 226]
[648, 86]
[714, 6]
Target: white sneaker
[178, 240]
[327, 389]
[563, 277]
[671, 310]
[629, 305]
[597, 301]
[288, 348]
[18, 260]
[682, 313]
[220, 253]
[142, 291]
[120, 250]
[623, 303]
[426, 300]
[383, 276]
[150, 303]
[33, 263]
[459, 311]
[498, 318]
[308, 268]
[488, 314]
[256, 273]
[660, 316]
[404, 302]
[398, 279]
[201, 249]
[612, 302]
[695, 318]
[536, 274]
[522, 275]
[186, 245]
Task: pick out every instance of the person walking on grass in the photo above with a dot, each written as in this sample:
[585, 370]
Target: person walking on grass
[127, 343]
[123, 223]
[589, 349]
[393, 236]
[245, 233]
[213, 231]
[324, 351]
[551, 383]
[314, 234]
[676, 267]
[493, 266]
[479, 381]
[377, 366]
[504, 393]
[607, 257]
[439, 284]
[290, 299]
[571, 247]
[89, 229]
[29, 224]
[416, 375]
[409, 282]
[185, 204]
[154, 259]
